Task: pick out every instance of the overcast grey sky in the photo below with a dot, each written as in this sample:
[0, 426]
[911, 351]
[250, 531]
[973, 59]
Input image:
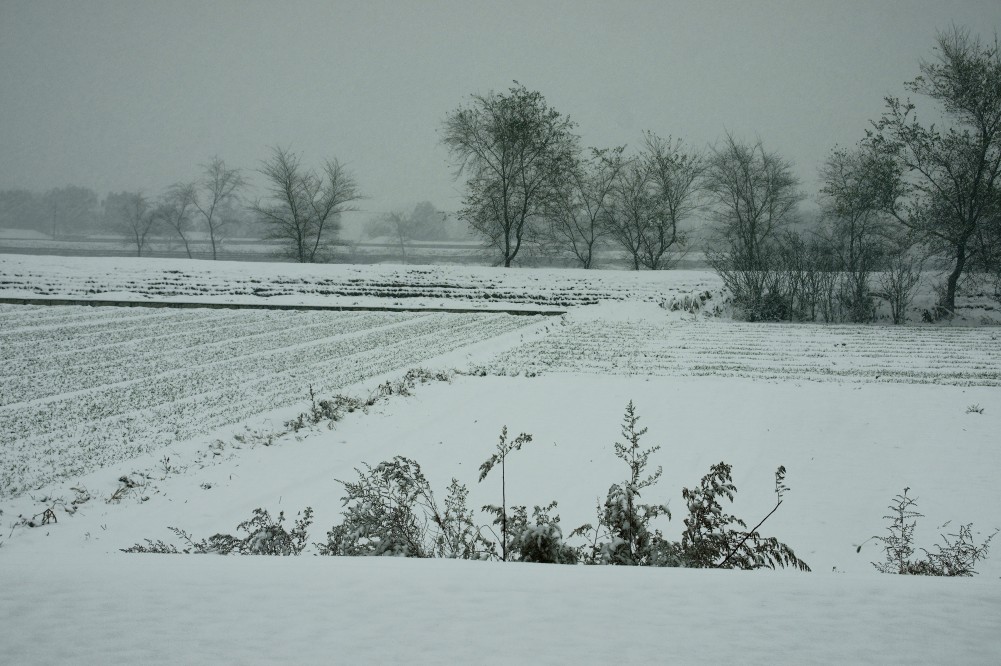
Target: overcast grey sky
[130, 94]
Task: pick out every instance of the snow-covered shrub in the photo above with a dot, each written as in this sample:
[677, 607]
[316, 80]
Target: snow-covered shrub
[265, 536]
[391, 510]
[127, 486]
[411, 380]
[538, 540]
[333, 410]
[504, 447]
[623, 534]
[709, 303]
[957, 557]
[710, 541]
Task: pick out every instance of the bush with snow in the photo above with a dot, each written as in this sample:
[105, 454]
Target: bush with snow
[265, 536]
[391, 510]
[624, 534]
[956, 556]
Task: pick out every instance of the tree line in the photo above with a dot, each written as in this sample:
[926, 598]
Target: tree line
[208, 206]
[301, 210]
[906, 193]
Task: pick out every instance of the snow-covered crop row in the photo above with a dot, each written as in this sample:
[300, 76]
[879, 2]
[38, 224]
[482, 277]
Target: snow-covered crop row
[465, 286]
[118, 396]
[152, 350]
[940, 355]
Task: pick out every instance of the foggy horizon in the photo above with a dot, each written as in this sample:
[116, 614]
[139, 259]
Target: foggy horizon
[119, 96]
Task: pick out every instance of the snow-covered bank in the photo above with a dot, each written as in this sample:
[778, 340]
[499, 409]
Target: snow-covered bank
[255, 610]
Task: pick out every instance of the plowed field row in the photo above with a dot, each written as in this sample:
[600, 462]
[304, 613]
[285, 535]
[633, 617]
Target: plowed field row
[936, 355]
[140, 396]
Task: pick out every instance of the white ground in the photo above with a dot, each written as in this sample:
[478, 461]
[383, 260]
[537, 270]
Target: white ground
[24, 276]
[850, 443]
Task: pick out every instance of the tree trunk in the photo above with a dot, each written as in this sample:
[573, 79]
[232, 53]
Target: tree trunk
[948, 304]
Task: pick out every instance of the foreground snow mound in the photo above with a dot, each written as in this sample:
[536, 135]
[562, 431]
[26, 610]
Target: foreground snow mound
[211, 609]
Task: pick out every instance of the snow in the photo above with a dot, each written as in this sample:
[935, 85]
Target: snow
[186, 280]
[849, 441]
[23, 234]
[113, 382]
[194, 610]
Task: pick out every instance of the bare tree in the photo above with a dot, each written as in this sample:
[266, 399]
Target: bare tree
[650, 198]
[217, 188]
[900, 277]
[175, 210]
[512, 148]
[948, 186]
[577, 213]
[754, 194]
[676, 175]
[857, 187]
[397, 224]
[633, 210]
[133, 217]
[305, 206]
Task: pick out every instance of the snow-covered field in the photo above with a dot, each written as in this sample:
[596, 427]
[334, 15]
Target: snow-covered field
[631, 343]
[854, 413]
[80, 387]
[335, 284]
[375, 250]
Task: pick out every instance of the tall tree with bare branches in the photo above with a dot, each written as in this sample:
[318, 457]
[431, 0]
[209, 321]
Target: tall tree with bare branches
[633, 211]
[512, 148]
[217, 188]
[753, 194]
[676, 176]
[857, 186]
[304, 206]
[949, 175]
[133, 216]
[175, 208]
[577, 212]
